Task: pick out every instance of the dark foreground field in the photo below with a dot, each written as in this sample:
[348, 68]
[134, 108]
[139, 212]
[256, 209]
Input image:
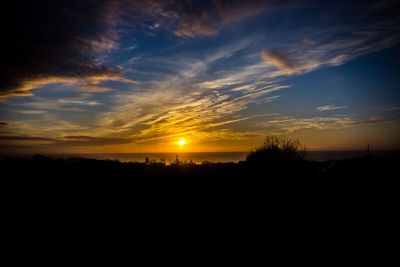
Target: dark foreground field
[80, 212]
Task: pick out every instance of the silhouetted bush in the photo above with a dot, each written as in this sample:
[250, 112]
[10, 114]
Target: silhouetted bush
[277, 148]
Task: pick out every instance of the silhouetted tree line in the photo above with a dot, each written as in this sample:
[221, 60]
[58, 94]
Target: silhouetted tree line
[67, 212]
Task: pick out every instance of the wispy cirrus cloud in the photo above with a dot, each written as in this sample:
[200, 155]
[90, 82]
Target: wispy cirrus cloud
[90, 141]
[191, 116]
[288, 124]
[336, 43]
[45, 106]
[298, 59]
[330, 107]
[48, 126]
[190, 102]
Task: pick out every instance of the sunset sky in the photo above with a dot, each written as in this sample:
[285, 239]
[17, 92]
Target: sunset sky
[212, 75]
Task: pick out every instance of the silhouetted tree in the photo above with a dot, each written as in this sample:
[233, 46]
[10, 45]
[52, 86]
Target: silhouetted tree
[277, 148]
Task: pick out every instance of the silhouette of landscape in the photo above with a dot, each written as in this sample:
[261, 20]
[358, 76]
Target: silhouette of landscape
[61, 211]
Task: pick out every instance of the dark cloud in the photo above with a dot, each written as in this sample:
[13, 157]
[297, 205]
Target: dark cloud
[206, 19]
[24, 138]
[187, 18]
[9, 150]
[67, 141]
[279, 60]
[3, 124]
[48, 38]
[92, 141]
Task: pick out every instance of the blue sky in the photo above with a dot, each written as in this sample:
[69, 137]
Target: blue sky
[221, 75]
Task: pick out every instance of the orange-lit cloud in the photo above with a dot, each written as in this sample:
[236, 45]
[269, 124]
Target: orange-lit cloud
[330, 107]
[90, 83]
[277, 59]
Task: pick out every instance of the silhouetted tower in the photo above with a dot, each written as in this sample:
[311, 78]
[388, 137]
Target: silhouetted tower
[368, 150]
[177, 159]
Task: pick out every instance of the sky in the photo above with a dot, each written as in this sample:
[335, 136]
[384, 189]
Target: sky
[122, 76]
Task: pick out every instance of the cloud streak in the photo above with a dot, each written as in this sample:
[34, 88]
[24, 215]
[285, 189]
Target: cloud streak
[277, 59]
[330, 107]
[287, 124]
[90, 83]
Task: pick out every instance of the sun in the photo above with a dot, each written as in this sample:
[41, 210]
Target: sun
[181, 142]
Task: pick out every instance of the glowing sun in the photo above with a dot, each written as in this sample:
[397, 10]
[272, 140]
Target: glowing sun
[181, 142]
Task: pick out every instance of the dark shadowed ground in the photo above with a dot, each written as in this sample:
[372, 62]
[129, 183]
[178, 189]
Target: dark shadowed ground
[81, 212]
